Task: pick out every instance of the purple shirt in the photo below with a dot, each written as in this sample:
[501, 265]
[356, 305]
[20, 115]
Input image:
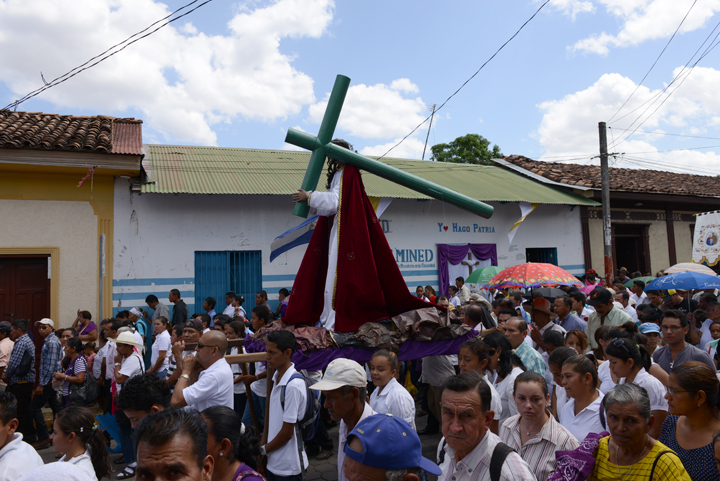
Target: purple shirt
[90, 327]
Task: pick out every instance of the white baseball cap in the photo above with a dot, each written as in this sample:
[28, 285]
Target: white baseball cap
[341, 372]
[46, 321]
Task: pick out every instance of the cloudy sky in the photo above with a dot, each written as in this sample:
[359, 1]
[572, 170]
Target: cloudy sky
[238, 74]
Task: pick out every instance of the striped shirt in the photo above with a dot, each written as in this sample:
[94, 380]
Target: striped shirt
[50, 358]
[22, 344]
[476, 465]
[538, 452]
[669, 467]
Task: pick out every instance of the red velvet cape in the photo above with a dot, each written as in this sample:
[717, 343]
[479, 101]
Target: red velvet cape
[369, 285]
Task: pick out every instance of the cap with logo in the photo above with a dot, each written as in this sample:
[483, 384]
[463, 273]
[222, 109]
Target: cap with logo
[390, 443]
[599, 295]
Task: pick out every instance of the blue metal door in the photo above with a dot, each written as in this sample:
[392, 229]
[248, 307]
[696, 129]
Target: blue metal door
[217, 272]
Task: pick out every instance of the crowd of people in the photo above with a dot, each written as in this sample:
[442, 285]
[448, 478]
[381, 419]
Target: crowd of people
[612, 384]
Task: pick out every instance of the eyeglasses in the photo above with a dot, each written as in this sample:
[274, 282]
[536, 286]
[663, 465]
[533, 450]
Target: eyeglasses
[673, 391]
[671, 328]
[200, 345]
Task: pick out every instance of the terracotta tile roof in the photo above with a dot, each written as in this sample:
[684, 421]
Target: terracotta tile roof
[629, 180]
[98, 134]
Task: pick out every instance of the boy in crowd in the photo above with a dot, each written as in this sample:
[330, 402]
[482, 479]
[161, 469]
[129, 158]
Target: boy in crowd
[16, 456]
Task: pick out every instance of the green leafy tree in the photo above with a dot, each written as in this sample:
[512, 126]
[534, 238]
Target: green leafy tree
[468, 149]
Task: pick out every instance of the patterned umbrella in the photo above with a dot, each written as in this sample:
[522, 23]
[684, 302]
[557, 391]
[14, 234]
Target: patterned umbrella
[685, 280]
[533, 274]
[690, 266]
[482, 275]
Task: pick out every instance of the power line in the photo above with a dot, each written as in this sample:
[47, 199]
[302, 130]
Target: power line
[102, 57]
[654, 63]
[468, 80]
[673, 135]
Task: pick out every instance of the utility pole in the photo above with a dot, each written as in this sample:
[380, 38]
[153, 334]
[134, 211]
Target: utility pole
[605, 179]
[428, 134]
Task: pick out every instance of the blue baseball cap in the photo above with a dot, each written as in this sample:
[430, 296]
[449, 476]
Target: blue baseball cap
[646, 327]
[389, 443]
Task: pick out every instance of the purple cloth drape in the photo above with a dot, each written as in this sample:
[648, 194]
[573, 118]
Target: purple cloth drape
[455, 254]
[409, 350]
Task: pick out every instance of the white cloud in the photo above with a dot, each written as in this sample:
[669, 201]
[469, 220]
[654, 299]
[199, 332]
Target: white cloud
[412, 148]
[184, 81]
[377, 111]
[640, 20]
[569, 127]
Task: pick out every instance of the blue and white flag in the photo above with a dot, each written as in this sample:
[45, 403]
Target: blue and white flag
[301, 234]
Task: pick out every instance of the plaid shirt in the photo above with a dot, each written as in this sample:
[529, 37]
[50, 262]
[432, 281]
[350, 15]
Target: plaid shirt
[532, 359]
[22, 344]
[50, 359]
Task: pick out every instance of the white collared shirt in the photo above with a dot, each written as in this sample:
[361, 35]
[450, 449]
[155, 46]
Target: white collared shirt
[655, 389]
[82, 463]
[495, 401]
[214, 387]
[505, 391]
[394, 399]
[343, 434]
[633, 313]
[587, 421]
[605, 376]
[18, 458]
[285, 461]
[476, 465]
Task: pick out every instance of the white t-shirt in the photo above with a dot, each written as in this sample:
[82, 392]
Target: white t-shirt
[238, 387]
[455, 301]
[656, 389]
[285, 460]
[214, 387]
[505, 391]
[706, 334]
[605, 376]
[587, 421]
[18, 458]
[394, 399]
[259, 387]
[131, 366]
[162, 343]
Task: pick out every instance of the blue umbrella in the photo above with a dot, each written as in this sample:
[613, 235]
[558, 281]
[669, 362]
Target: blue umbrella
[687, 280]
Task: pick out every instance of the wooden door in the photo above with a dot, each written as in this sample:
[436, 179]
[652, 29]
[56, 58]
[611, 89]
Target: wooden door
[25, 292]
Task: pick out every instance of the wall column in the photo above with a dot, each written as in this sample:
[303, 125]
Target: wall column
[670, 235]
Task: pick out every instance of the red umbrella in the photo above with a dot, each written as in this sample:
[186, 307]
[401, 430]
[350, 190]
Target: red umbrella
[532, 274]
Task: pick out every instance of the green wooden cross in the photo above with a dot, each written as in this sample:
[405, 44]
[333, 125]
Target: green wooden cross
[321, 147]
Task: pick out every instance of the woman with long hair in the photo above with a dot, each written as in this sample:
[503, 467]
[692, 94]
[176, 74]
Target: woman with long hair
[581, 415]
[506, 366]
[473, 356]
[693, 396]
[629, 363]
[80, 440]
[534, 433]
[234, 447]
[75, 372]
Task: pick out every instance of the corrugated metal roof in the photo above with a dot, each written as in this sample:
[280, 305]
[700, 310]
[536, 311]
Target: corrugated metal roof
[127, 137]
[212, 170]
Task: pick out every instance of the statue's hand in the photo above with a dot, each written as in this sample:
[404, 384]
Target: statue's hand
[300, 196]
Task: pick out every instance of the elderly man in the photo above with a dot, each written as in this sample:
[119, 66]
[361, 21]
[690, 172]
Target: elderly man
[470, 448]
[345, 386]
[606, 314]
[516, 330]
[383, 447]
[214, 385]
[542, 320]
[566, 319]
[172, 444]
[624, 299]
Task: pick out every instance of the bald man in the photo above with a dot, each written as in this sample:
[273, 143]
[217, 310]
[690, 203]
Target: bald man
[214, 385]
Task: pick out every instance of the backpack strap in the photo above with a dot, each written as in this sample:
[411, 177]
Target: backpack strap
[499, 455]
[652, 471]
[298, 433]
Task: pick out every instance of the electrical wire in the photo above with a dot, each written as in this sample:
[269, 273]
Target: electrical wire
[468, 80]
[655, 62]
[102, 57]
[673, 135]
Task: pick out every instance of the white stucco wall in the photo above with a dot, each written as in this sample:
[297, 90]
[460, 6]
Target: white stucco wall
[156, 236]
[69, 226]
